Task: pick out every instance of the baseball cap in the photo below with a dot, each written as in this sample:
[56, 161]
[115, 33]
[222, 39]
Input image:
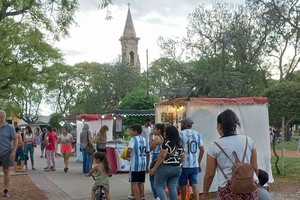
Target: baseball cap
[187, 120]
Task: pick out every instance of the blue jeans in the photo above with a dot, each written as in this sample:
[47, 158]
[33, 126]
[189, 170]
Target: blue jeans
[151, 178]
[30, 148]
[167, 175]
[86, 159]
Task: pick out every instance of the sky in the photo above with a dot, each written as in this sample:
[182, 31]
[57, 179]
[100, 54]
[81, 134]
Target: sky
[95, 39]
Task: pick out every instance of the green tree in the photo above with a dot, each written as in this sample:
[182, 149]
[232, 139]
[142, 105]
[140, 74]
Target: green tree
[284, 39]
[234, 39]
[137, 100]
[284, 101]
[62, 84]
[54, 120]
[54, 16]
[104, 85]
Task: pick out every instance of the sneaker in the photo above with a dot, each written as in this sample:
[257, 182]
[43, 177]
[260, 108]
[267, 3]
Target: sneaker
[47, 170]
[157, 198]
[6, 193]
[143, 198]
[52, 169]
[66, 169]
[33, 168]
[131, 196]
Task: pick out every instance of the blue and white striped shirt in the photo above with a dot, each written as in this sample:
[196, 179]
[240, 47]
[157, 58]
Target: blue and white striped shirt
[191, 141]
[140, 149]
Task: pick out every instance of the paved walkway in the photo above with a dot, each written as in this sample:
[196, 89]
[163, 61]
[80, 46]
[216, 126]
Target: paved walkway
[73, 185]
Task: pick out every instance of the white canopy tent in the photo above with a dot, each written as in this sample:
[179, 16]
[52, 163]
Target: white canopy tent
[252, 112]
[95, 122]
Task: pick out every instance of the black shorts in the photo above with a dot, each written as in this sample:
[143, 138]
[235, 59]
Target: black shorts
[137, 177]
[5, 161]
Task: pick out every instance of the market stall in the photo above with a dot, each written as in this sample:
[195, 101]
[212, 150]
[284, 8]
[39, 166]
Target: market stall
[252, 112]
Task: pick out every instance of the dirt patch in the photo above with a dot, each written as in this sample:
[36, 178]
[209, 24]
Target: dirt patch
[284, 188]
[22, 188]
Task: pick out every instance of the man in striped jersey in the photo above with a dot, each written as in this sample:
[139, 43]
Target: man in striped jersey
[194, 150]
[138, 152]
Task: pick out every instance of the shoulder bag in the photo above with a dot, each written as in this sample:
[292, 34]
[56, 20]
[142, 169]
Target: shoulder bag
[90, 147]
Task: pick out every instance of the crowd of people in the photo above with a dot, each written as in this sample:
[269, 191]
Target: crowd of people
[176, 156]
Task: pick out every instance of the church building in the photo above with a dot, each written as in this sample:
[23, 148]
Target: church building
[129, 43]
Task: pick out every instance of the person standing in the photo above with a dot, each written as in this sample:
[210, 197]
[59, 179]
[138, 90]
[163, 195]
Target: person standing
[65, 139]
[85, 139]
[29, 140]
[8, 147]
[155, 141]
[138, 152]
[43, 136]
[101, 139]
[74, 136]
[50, 144]
[167, 168]
[193, 147]
[146, 129]
[216, 160]
[20, 151]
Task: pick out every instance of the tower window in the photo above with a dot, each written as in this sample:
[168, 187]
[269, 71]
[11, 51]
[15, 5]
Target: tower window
[131, 57]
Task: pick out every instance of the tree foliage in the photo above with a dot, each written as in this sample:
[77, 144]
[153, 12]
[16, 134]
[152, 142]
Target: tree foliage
[284, 39]
[137, 99]
[55, 118]
[103, 86]
[283, 100]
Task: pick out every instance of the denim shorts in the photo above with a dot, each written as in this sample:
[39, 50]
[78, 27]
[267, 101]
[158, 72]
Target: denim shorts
[190, 174]
[19, 154]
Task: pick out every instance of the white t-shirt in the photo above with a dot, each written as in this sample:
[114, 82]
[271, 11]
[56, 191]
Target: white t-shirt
[65, 138]
[140, 148]
[235, 143]
[145, 132]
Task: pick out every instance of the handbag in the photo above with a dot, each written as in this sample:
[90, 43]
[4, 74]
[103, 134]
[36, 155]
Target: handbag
[90, 147]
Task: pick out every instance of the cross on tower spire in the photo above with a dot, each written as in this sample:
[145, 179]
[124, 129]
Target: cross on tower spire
[128, 5]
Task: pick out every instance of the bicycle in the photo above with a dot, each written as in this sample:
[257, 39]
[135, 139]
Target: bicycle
[100, 195]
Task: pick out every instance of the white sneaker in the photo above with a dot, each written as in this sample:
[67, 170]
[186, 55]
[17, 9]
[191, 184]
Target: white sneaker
[157, 198]
[131, 196]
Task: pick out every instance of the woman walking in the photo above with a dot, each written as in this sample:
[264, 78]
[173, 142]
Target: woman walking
[65, 139]
[29, 140]
[167, 168]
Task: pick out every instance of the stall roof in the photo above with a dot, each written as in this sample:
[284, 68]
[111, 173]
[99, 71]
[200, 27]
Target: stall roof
[128, 113]
[241, 100]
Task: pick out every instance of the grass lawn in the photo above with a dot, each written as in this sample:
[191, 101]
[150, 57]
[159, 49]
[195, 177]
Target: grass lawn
[288, 145]
[291, 169]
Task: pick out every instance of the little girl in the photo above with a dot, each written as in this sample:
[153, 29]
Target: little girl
[102, 172]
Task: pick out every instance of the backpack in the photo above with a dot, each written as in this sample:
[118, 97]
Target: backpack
[242, 173]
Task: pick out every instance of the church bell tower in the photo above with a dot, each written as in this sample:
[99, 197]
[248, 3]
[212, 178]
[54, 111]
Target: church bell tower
[129, 43]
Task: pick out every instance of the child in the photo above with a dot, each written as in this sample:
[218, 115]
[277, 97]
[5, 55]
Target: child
[263, 178]
[138, 152]
[102, 171]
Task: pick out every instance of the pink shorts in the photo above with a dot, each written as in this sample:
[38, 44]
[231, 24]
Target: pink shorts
[66, 148]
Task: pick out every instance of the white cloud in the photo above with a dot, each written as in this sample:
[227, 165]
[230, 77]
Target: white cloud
[96, 39]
